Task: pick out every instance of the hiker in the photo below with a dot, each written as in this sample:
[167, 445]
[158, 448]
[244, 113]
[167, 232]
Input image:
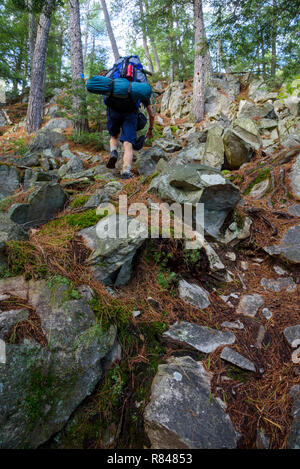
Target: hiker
[123, 116]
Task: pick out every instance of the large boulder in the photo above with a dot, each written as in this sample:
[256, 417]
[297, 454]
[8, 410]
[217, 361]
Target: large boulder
[237, 150]
[51, 371]
[293, 441]
[289, 247]
[217, 103]
[194, 184]
[192, 153]
[247, 130]
[113, 248]
[289, 125]
[9, 180]
[74, 165]
[200, 338]
[45, 202]
[182, 414]
[147, 160]
[214, 148]
[250, 110]
[58, 123]
[175, 101]
[294, 177]
[46, 138]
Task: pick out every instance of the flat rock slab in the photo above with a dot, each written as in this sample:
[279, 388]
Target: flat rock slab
[182, 413]
[200, 338]
[289, 248]
[292, 335]
[193, 294]
[9, 180]
[249, 305]
[237, 359]
[294, 177]
[286, 284]
[293, 441]
[294, 210]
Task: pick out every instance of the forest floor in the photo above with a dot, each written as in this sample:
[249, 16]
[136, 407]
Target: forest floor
[254, 401]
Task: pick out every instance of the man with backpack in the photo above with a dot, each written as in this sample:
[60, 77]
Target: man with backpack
[123, 116]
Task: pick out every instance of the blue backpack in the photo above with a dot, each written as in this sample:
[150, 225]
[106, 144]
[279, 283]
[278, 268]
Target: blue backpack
[128, 67]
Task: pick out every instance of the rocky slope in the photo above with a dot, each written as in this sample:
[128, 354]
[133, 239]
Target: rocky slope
[218, 324]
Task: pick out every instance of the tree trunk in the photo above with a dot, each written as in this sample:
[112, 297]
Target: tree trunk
[263, 54]
[274, 38]
[208, 74]
[145, 44]
[274, 52]
[199, 62]
[152, 42]
[86, 31]
[31, 33]
[79, 98]
[156, 56]
[37, 88]
[110, 31]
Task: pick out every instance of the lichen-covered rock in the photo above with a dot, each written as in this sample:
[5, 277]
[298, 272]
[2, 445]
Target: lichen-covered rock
[237, 150]
[289, 247]
[43, 383]
[293, 441]
[46, 139]
[112, 257]
[74, 165]
[214, 148]
[9, 231]
[194, 184]
[197, 337]
[249, 110]
[193, 294]
[182, 414]
[294, 177]
[42, 205]
[9, 180]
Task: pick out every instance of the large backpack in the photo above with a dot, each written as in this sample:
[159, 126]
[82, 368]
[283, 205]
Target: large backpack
[130, 68]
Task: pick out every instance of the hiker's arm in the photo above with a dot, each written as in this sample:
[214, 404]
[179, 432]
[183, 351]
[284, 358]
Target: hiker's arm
[151, 121]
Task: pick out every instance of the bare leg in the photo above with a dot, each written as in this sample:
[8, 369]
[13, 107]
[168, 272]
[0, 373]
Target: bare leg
[114, 142]
[128, 156]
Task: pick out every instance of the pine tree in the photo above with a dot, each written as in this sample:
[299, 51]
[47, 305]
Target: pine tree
[79, 99]
[37, 87]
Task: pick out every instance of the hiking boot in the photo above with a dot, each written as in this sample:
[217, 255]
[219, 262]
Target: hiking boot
[139, 143]
[127, 175]
[112, 159]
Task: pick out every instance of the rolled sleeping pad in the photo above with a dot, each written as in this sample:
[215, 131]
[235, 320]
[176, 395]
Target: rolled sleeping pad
[119, 87]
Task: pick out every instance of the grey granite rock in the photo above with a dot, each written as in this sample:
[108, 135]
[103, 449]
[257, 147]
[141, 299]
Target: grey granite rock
[289, 247]
[237, 359]
[249, 305]
[292, 335]
[182, 414]
[193, 294]
[200, 338]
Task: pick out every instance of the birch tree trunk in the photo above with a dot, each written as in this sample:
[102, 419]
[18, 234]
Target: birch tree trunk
[145, 44]
[37, 86]
[110, 31]
[199, 62]
[79, 98]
